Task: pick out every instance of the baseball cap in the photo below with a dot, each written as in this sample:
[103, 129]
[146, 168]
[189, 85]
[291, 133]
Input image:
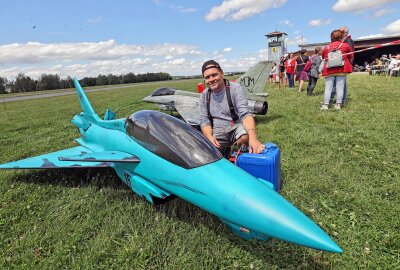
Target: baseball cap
[210, 64]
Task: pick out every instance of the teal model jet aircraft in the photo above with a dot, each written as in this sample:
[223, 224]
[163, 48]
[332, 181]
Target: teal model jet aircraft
[159, 156]
[187, 103]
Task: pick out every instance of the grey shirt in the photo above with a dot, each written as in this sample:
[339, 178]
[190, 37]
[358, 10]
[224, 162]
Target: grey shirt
[316, 61]
[219, 107]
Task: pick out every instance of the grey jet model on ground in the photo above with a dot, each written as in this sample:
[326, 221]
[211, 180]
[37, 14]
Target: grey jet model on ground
[187, 103]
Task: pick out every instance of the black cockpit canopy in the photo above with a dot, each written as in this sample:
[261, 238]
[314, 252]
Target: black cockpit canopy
[164, 91]
[171, 139]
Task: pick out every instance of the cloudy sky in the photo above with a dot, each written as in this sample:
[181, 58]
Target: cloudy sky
[86, 37]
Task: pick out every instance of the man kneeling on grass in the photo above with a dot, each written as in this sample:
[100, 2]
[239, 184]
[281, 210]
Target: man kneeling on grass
[225, 117]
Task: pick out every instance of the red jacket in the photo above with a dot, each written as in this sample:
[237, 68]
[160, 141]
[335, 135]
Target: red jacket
[290, 66]
[346, 68]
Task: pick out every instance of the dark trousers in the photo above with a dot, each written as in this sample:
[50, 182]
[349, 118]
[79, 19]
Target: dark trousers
[312, 82]
[290, 77]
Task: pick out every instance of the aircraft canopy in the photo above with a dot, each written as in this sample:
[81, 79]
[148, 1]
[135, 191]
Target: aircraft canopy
[171, 139]
[164, 91]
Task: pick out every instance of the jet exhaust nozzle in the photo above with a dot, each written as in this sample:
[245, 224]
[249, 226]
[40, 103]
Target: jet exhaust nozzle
[260, 107]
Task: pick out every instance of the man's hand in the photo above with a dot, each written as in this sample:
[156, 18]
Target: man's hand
[214, 141]
[207, 132]
[255, 146]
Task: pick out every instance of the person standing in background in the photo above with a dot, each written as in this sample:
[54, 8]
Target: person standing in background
[290, 66]
[272, 74]
[282, 76]
[336, 75]
[347, 39]
[301, 75]
[313, 74]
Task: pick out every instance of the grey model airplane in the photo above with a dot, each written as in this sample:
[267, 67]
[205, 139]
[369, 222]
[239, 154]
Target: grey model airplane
[187, 103]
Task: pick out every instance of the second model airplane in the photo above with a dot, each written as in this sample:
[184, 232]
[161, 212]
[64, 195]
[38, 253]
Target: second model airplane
[187, 103]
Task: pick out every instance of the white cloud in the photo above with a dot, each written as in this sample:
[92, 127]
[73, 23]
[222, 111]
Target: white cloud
[95, 20]
[239, 64]
[371, 36]
[236, 10]
[319, 22]
[298, 40]
[35, 52]
[392, 28]
[179, 61]
[357, 5]
[263, 54]
[181, 9]
[381, 12]
[180, 66]
[286, 22]
[91, 59]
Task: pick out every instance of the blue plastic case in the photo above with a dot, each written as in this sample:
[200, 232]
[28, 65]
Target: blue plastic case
[266, 165]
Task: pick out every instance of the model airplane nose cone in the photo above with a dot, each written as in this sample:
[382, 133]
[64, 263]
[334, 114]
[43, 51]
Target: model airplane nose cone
[274, 216]
[148, 99]
[246, 202]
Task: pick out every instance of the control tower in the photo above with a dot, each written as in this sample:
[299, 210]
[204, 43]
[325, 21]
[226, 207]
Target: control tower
[277, 45]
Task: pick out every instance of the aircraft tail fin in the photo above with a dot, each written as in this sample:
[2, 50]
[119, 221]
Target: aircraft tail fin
[255, 79]
[83, 100]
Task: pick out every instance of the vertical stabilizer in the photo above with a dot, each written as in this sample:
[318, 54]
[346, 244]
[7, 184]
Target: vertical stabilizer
[255, 79]
[83, 100]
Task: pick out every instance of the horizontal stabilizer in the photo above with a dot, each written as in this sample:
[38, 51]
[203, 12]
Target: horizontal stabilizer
[51, 161]
[105, 156]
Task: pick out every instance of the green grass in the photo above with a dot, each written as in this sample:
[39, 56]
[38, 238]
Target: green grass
[340, 168]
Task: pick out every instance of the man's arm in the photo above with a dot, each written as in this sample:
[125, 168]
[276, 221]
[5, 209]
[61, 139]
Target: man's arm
[254, 144]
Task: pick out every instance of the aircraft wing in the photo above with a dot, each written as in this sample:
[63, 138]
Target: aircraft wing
[188, 108]
[106, 156]
[88, 159]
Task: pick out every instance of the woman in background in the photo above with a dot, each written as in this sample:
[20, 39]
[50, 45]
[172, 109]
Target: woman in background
[282, 67]
[272, 73]
[290, 65]
[336, 75]
[301, 75]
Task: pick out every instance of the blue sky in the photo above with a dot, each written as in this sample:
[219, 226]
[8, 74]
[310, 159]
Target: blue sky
[87, 37]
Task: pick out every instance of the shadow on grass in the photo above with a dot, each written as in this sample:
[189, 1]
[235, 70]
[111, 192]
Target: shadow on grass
[97, 177]
[319, 93]
[280, 254]
[264, 119]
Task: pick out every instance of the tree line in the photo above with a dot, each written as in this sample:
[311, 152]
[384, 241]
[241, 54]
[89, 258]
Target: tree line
[24, 83]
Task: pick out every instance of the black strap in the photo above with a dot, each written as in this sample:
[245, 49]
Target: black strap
[229, 98]
[234, 115]
[208, 106]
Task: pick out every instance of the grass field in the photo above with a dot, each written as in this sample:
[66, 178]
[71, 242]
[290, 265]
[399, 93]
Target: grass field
[341, 168]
